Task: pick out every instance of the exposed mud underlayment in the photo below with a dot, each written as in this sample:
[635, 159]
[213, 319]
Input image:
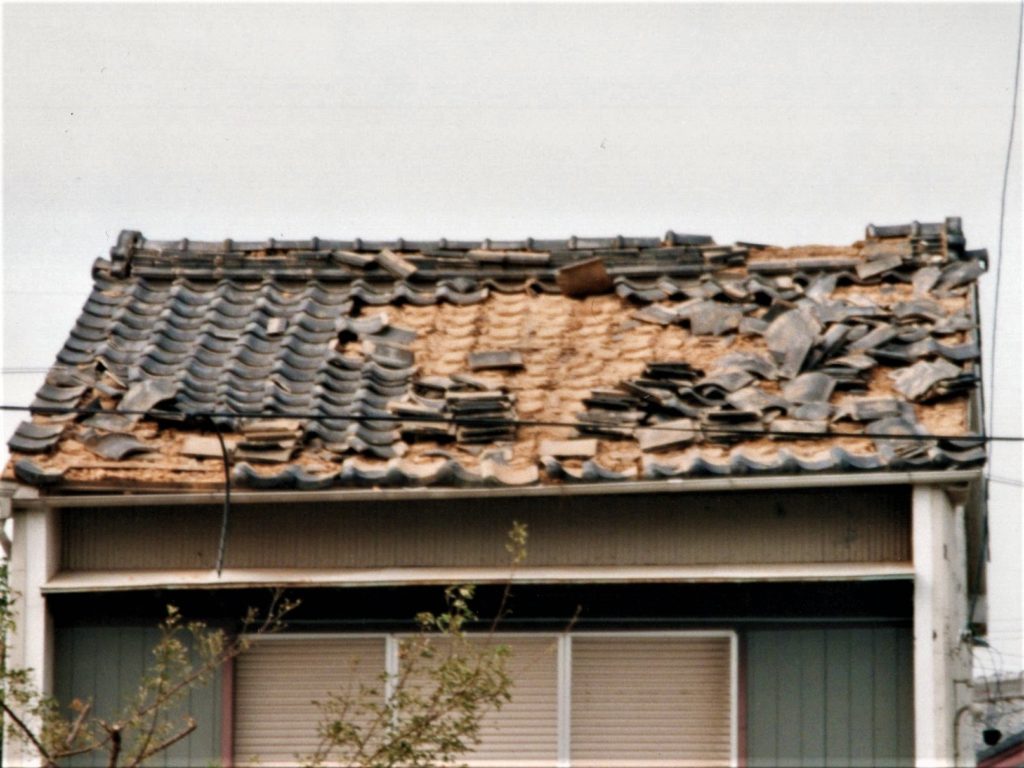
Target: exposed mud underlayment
[330, 363]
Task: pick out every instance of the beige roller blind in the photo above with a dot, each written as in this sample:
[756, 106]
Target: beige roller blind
[525, 730]
[651, 701]
[276, 682]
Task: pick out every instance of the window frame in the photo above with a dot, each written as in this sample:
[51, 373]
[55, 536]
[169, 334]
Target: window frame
[563, 666]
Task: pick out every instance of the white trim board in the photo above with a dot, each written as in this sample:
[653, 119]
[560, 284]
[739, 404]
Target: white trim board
[234, 578]
[27, 498]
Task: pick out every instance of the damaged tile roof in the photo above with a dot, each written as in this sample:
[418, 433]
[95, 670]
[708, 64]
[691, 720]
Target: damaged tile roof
[355, 363]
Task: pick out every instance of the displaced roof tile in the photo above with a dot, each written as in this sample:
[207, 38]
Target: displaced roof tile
[495, 360]
[584, 278]
[251, 328]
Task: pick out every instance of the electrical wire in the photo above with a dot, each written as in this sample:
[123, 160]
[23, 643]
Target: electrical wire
[225, 517]
[983, 547]
[1002, 216]
[491, 421]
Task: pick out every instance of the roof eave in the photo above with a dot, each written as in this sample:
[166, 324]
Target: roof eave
[710, 484]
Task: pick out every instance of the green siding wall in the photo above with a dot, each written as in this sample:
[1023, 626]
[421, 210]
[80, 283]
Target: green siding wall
[814, 697]
[830, 697]
[105, 664]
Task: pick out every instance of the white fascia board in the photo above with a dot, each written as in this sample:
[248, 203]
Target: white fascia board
[232, 578]
[680, 485]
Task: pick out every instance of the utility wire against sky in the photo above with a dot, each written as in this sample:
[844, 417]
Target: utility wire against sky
[491, 422]
[1002, 218]
[595, 426]
[989, 404]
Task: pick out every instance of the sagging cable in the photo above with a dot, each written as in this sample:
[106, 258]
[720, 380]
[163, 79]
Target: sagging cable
[226, 515]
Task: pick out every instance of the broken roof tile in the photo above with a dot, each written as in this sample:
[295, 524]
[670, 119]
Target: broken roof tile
[584, 278]
[286, 328]
[144, 395]
[958, 274]
[114, 445]
[753, 362]
[495, 360]
[30, 437]
[754, 398]
[812, 387]
[799, 426]
[711, 318]
[918, 380]
[727, 380]
[876, 337]
[667, 434]
[29, 472]
[789, 338]
[813, 411]
[878, 265]
[656, 314]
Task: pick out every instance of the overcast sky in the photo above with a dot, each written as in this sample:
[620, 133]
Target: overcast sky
[775, 123]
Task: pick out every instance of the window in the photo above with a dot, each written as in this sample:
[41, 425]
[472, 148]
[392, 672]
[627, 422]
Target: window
[586, 700]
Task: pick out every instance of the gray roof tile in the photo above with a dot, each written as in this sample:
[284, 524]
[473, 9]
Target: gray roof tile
[286, 326]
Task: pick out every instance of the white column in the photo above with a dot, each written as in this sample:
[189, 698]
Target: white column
[942, 659]
[564, 699]
[34, 559]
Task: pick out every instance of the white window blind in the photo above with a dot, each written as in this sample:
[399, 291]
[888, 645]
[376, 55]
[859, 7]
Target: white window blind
[651, 701]
[525, 731]
[276, 682]
[634, 700]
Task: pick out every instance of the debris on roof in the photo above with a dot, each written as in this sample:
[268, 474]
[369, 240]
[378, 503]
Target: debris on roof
[348, 362]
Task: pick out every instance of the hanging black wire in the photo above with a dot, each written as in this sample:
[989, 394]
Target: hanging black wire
[176, 415]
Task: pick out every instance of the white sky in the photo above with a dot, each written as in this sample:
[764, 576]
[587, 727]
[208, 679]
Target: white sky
[775, 123]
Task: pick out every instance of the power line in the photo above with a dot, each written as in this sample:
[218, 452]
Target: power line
[983, 547]
[496, 421]
[1002, 218]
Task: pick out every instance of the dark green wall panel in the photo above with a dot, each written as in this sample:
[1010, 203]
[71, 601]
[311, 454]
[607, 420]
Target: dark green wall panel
[829, 697]
[105, 664]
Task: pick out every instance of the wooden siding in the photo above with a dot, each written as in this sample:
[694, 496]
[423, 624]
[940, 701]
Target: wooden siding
[830, 697]
[849, 525]
[104, 664]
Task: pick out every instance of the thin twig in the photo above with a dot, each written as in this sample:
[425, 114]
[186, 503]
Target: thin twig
[77, 725]
[160, 747]
[27, 732]
[156, 715]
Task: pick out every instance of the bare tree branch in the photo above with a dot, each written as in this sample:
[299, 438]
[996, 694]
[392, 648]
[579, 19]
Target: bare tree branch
[29, 734]
[77, 725]
[157, 748]
[114, 731]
